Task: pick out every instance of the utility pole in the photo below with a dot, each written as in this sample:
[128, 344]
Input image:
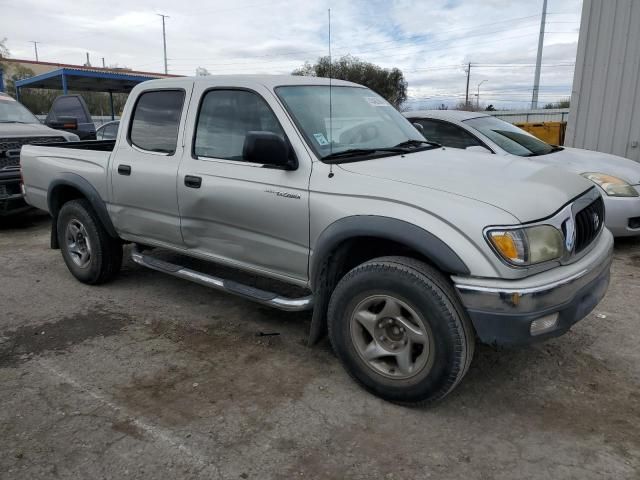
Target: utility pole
[164, 41]
[466, 98]
[536, 81]
[103, 66]
[478, 95]
[35, 47]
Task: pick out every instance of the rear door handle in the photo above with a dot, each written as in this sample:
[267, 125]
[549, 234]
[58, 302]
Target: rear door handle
[124, 169]
[192, 181]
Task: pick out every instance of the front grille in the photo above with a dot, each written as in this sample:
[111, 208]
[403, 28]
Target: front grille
[589, 221]
[10, 149]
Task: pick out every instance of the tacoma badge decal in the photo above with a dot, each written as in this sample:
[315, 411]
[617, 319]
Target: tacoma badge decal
[284, 194]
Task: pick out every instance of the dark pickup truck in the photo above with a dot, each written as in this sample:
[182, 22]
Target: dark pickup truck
[18, 127]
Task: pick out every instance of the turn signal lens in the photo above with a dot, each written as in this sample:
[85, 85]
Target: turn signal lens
[511, 245]
[506, 245]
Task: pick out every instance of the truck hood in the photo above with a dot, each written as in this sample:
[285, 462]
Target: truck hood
[582, 161]
[10, 130]
[527, 190]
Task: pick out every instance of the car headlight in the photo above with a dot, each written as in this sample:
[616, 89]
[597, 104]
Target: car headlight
[528, 245]
[613, 186]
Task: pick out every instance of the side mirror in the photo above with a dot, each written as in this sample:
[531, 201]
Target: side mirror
[64, 123]
[418, 127]
[267, 148]
[478, 148]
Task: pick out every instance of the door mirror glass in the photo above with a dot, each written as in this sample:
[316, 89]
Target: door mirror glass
[478, 148]
[418, 127]
[267, 148]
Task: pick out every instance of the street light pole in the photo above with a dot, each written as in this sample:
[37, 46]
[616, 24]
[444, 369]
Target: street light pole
[536, 78]
[164, 41]
[478, 95]
[35, 47]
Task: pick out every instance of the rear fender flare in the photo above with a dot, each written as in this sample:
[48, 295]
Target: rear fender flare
[87, 190]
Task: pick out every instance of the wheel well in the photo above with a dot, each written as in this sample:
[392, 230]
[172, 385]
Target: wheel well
[356, 251]
[61, 195]
[344, 257]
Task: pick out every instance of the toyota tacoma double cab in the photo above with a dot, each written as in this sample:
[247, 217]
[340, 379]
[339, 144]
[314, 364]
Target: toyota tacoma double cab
[407, 252]
[18, 126]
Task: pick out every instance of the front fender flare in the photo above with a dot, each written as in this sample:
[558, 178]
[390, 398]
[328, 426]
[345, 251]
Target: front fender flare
[418, 239]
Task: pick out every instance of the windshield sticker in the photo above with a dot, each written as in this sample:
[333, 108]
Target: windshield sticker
[376, 102]
[320, 139]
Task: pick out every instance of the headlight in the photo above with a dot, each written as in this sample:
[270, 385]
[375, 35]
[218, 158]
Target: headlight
[527, 246]
[613, 186]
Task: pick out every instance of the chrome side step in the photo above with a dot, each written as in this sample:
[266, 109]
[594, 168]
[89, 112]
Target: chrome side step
[261, 296]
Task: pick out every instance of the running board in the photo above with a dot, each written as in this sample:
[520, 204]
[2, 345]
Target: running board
[261, 296]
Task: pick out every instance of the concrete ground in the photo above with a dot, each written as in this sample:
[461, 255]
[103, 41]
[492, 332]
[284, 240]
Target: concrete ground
[152, 377]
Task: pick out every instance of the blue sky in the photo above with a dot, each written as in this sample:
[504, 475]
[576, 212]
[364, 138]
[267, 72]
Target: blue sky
[429, 40]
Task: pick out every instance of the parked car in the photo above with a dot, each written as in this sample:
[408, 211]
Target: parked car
[107, 131]
[408, 251]
[617, 178]
[18, 126]
[70, 113]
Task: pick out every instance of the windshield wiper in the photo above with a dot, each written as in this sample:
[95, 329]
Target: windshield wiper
[354, 152]
[554, 148]
[411, 143]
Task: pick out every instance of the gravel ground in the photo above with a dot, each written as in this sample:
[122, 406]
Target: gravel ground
[153, 377]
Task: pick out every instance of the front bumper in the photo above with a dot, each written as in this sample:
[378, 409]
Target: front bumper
[619, 212]
[502, 311]
[11, 197]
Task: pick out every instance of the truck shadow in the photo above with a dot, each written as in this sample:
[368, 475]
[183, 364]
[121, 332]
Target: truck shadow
[30, 219]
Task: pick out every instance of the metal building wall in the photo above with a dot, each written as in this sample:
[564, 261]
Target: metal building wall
[605, 98]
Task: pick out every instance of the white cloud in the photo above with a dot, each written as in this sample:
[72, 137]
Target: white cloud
[428, 40]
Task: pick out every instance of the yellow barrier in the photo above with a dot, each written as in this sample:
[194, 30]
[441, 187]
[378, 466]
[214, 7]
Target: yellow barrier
[550, 132]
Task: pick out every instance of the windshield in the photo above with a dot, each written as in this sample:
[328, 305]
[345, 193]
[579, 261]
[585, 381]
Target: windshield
[510, 138]
[360, 119]
[12, 112]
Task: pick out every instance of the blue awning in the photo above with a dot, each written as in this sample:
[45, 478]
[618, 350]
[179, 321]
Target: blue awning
[87, 80]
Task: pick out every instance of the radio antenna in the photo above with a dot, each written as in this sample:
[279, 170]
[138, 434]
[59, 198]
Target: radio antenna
[330, 99]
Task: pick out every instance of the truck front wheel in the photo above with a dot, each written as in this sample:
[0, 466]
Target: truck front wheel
[91, 254]
[400, 331]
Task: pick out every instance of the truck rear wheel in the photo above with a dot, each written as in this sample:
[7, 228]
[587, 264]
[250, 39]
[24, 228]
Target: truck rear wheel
[400, 331]
[91, 254]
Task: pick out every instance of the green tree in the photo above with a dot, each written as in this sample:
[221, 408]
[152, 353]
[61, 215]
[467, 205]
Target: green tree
[561, 104]
[4, 52]
[388, 83]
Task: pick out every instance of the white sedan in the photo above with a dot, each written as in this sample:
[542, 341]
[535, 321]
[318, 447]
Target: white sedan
[617, 177]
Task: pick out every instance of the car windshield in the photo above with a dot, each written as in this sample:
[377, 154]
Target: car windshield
[510, 138]
[12, 112]
[361, 123]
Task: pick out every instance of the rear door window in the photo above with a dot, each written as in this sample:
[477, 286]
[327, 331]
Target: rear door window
[69, 107]
[156, 119]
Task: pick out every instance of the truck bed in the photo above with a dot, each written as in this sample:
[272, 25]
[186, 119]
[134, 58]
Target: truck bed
[85, 160]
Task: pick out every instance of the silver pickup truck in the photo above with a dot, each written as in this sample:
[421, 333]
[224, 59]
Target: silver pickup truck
[407, 252]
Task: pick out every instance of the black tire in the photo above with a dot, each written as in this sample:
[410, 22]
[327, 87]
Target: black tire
[105, 258]
[430, 295]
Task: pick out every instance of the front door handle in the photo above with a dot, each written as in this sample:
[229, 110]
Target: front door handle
[124, 169]
[192, 181]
